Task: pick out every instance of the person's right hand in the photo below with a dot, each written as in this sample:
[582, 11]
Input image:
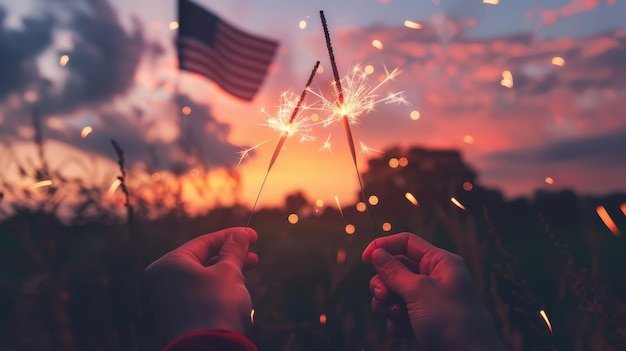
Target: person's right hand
[438, 301]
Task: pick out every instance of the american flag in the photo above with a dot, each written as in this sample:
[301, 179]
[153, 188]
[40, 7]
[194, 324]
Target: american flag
[237, 61]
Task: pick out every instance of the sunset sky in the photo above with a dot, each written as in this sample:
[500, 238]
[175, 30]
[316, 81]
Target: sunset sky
[525, 90]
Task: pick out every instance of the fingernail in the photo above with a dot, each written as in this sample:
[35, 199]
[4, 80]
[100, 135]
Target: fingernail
[380, 258]
[240, 238]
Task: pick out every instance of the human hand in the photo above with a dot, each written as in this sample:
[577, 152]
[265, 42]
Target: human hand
[428, 292]
[200, 285]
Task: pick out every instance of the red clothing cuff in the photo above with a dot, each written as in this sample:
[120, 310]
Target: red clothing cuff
[211, 340]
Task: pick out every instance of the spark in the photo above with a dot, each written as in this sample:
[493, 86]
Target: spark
[394, 162]
[412, 25]
[545, 319]
[341, 256]
[367, 150]
[411, 199]
[558, 61]
[415, 115]
[386, 226]
[338, 205]
[623, 208]
[63, 60]
[326, 146]
[549, 180]
[85, 132]
[608, 221]
[458, 204]
[377, 44]
[322, 318]
[116, 184]
[41, 184]
[361, 206]
[373, 200]
[507, 79]
[350, 229]
[252, 316]
[293, 218]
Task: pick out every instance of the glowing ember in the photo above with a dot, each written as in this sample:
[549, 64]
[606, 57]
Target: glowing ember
[412, 25]
[252, 316]
[319, 203]
[415, 115]
[491, 2]
[86, 131]
[411, 199]
[293, 218]
[63, 60]
[338, 205]
[116, 184]
[302, 24]
[623, 208]
[41, 184]
[361, 207]
[394, 162]
[173, 25]
[367, 150]
[403, 162]
[558, 61]
[322, 318]
[377, 44]
[468, 139]
[350, 229]
[386, 226]
[545, 319]
[458, 204]
[156, 176]
[186, 110]
[507, 79]
[341, 256]
[608, 221]
[549, 180]
[373, 200]
[467, 186]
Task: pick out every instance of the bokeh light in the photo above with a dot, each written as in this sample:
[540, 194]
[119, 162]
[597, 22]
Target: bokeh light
[293, 218]
[386, 226]
[350, 229]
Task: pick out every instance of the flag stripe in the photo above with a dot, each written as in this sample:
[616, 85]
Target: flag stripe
[237, 61]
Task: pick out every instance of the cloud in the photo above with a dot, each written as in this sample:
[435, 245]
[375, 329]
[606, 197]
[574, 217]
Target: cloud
[20, 48]
[606, 151]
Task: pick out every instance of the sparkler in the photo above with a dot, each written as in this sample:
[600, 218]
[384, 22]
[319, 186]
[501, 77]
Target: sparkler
[287, 129]
[352, 102]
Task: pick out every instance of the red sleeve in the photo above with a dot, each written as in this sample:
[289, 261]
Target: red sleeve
[211, 340]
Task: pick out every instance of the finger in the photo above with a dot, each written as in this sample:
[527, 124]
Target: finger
[206, 246]
[235, 250]
[396, 276]
[407, 244]
[252, 261]
[379, 289]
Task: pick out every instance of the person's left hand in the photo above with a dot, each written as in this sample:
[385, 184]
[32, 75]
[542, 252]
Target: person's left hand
[200, 285]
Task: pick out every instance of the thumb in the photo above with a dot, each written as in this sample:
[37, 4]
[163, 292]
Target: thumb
[395, 275]
[235, 249]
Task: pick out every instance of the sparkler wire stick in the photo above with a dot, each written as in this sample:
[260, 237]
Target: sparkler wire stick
[279, 146]
[346, 122]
